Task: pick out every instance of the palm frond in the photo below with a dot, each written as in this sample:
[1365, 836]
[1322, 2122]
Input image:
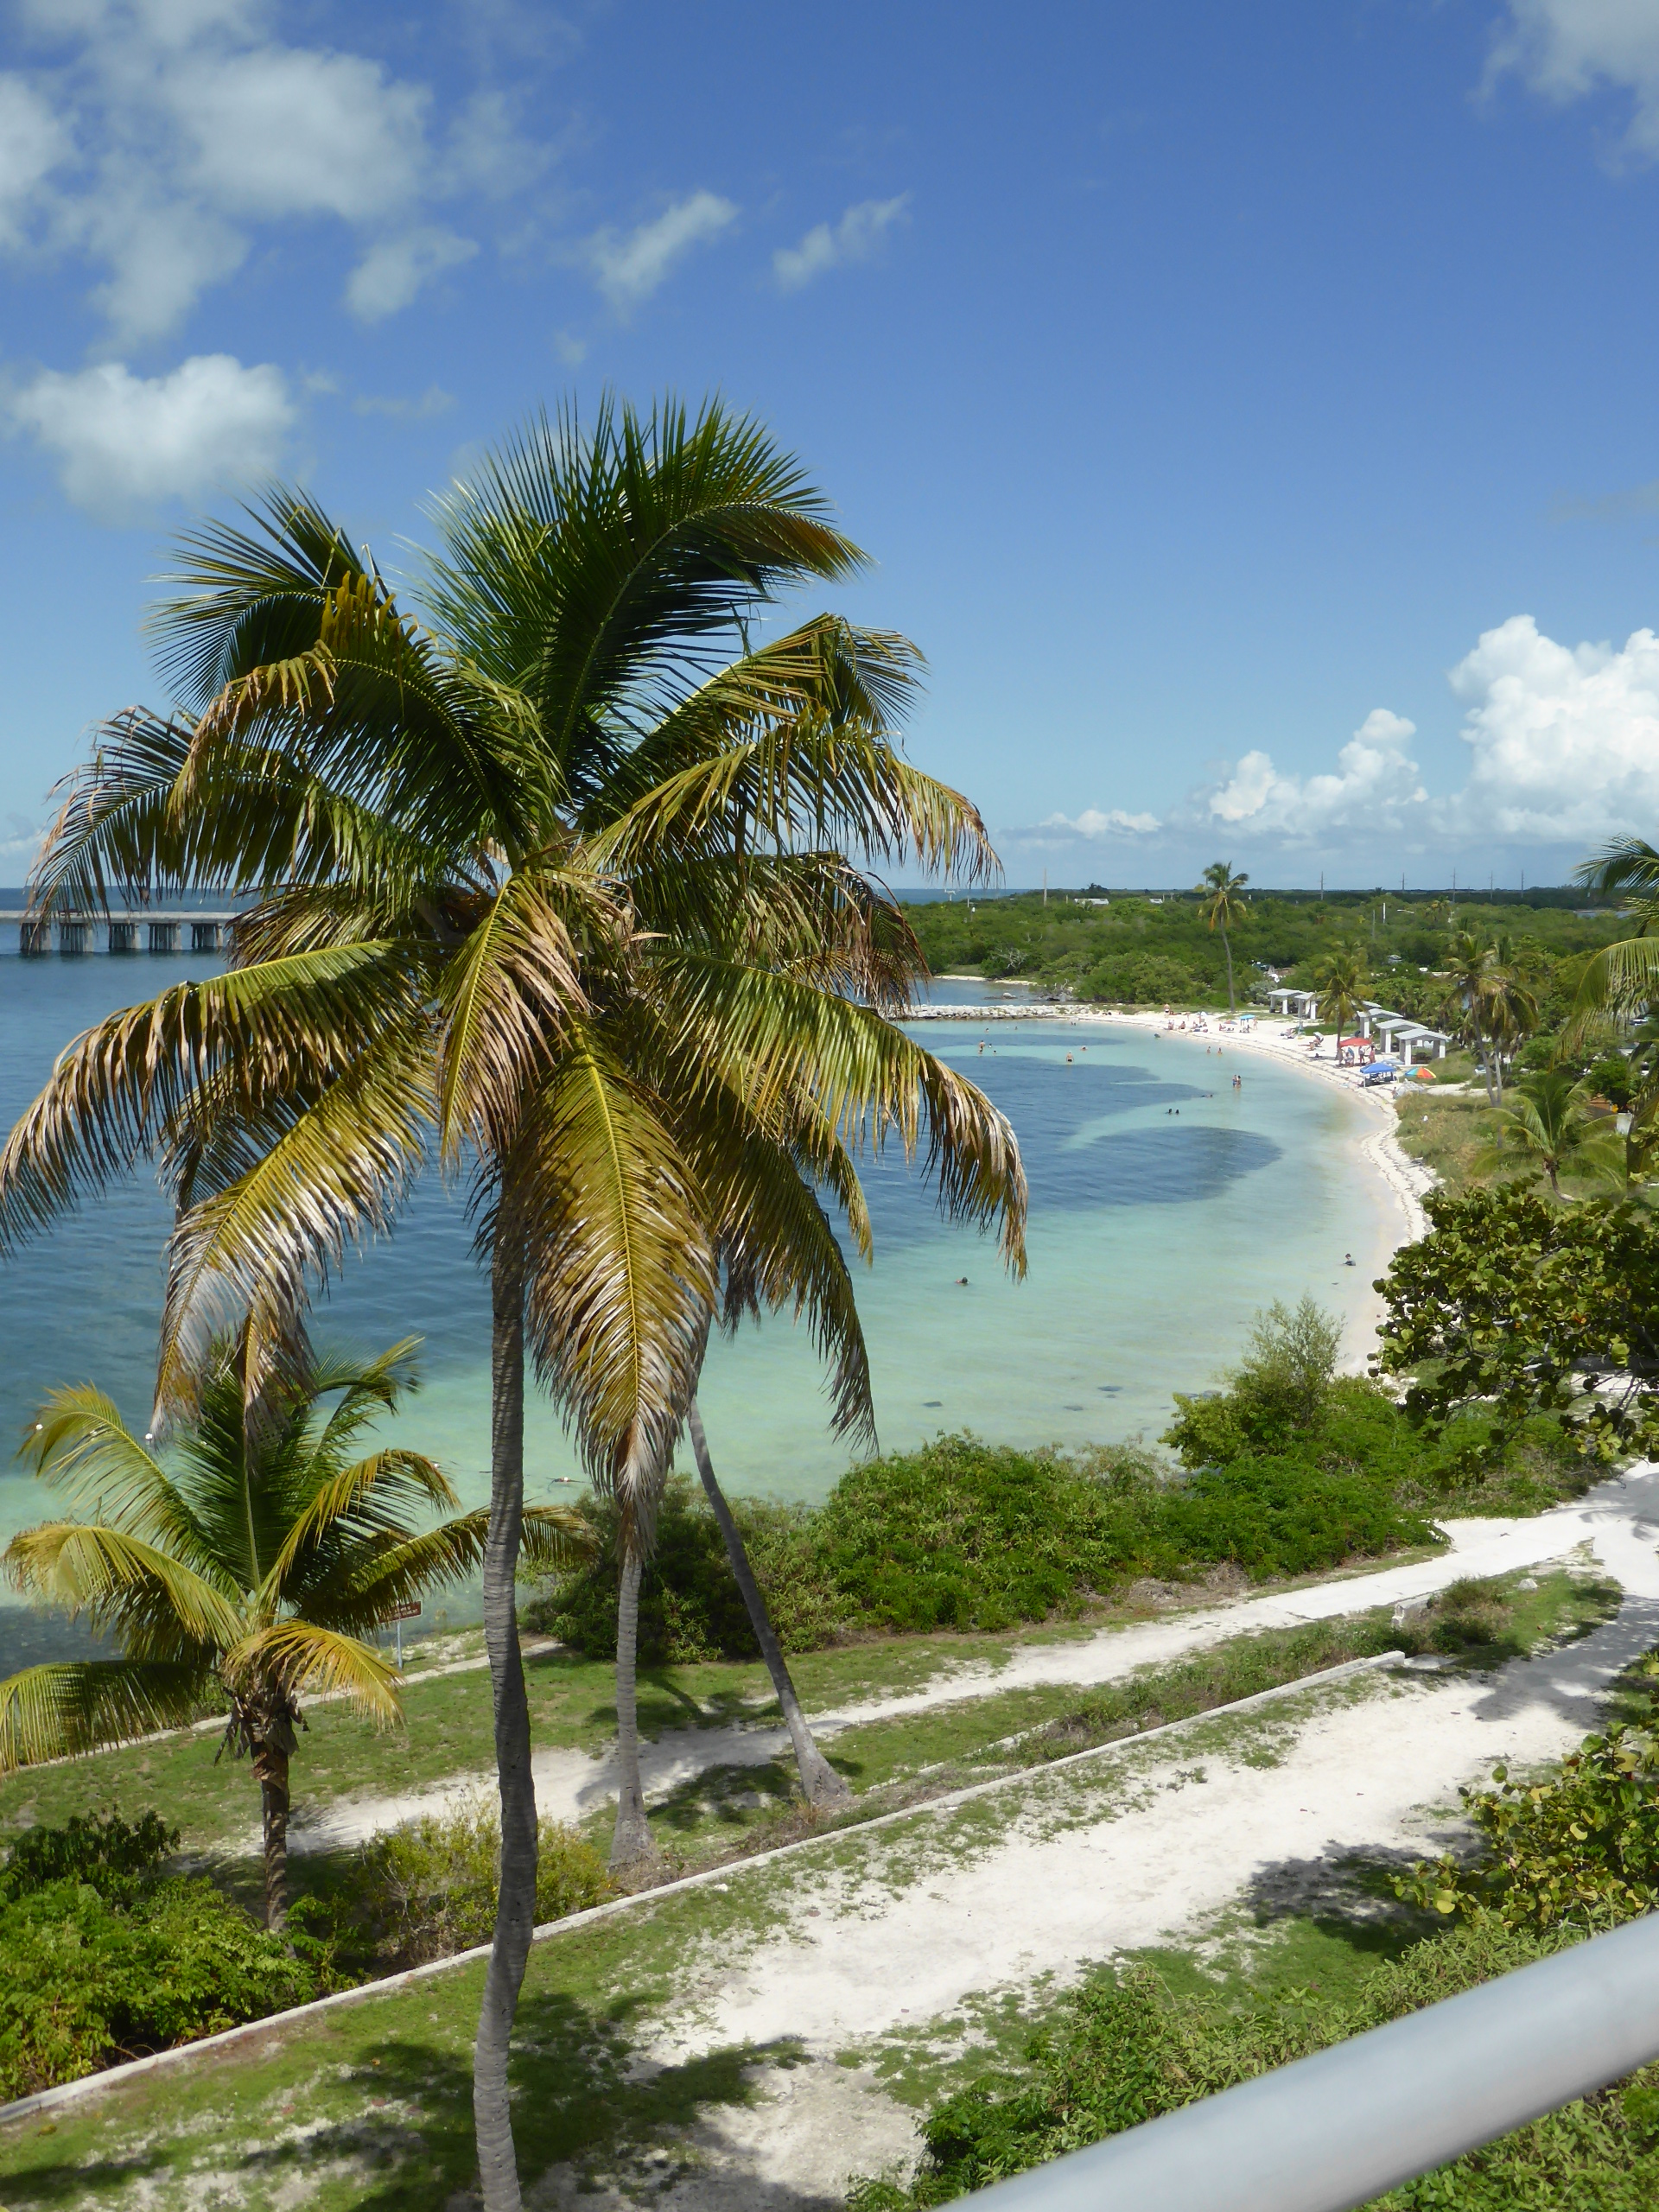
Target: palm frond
[1620, 978]
[618, 1265]
[369, 1499]
[69, 1707]
[81, 1446]
[155, 1603]
[506, 998]
[302, 1658]
[333, 1175]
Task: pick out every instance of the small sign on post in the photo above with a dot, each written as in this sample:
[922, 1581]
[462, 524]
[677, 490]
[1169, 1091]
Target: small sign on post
[408, 1610]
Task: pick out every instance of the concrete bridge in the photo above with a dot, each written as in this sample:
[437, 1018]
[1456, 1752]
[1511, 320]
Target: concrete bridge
[143, 931]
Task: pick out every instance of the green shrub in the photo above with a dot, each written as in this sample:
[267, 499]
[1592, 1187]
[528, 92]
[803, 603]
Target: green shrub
[427, 1889]
[690, 1607]
[100, 1849]
[109, 1959]
[1580, 1844]
[1125, 2050]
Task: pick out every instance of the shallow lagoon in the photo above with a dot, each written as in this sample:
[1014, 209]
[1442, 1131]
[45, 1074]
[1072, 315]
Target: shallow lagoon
[1166, 1210]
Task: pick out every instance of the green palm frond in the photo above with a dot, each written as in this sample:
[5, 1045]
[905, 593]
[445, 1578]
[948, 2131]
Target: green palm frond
[155, 1602]
[59, 1711]
[507, 999]
[328, 1178]
[81, 1446]
[1620, 978]
[115, 830]
[1622, 864]
[301, 1657]
[366, 1598]
[349, 1509]
[619, 1266]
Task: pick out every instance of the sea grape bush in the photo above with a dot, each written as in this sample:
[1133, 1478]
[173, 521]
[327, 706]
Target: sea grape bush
[1577, 1845]
[1519, 1305]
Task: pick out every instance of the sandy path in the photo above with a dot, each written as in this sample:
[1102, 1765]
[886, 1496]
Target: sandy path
[1145, 1842]
[570, 1784]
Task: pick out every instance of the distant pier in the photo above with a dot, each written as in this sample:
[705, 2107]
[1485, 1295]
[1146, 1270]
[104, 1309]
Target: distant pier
[144, 930]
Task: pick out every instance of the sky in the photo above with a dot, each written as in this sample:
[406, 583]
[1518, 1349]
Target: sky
[1251, 410]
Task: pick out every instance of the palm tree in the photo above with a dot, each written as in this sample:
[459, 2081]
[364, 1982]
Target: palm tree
[1489, 1002]
[249, 1575]
[1339, 978]
[555, 890]
[1547, 1125]
[1224, 907]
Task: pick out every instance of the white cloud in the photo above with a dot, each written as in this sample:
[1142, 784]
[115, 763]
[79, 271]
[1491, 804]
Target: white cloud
[33, 142]
[390, 274]
[1565, 49]
[1565, 739]
[280, 130]
[630, 268]
[164, 132]
[1375, 781]
[1085, 827]
[854, 237]
[123, 442]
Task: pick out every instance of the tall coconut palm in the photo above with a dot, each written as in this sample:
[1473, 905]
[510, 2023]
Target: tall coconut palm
[1223, 905]
[554, 891]
[1339, 979]
[244, 1565]
[1548, 1124]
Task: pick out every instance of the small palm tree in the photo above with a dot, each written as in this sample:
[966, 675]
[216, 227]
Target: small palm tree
[1223, 906]
[1339, 979]
[1548, 1125]
[1489, 1001]
[250, 1575]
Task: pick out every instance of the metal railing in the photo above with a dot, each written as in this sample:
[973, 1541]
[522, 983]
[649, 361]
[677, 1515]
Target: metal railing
[1333, 2131]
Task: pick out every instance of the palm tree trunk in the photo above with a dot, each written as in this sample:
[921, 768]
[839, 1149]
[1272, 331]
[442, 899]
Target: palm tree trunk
[1226, 946]
[634, 1849]
[271, 1770]
[515, 1910]
[824, 1787]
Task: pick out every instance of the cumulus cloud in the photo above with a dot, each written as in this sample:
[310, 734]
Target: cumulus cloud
[1565, 49]
[1375, 781]
[1565, 739]
[631, 265]
[164, 132]
[390, 274]
[123, 442]
[854, 237]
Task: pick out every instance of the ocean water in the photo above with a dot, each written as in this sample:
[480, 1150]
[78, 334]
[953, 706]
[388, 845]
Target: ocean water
[1167, 1209]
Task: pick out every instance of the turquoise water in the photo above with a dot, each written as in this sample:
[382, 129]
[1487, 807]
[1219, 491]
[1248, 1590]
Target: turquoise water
[1166, 1210]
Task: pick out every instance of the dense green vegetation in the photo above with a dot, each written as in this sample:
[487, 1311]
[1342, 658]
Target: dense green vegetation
[1144, 950]
[1290, 1469]
[104, 1956]
[1514, 1305]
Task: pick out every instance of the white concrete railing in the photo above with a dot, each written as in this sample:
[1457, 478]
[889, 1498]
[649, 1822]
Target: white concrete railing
[1333, 2131]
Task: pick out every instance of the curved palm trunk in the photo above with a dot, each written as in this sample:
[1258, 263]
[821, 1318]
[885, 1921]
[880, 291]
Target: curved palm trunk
[634, 1849]
[1226, 946]
[825, 1788]
[515, 1910]
[270, 1772]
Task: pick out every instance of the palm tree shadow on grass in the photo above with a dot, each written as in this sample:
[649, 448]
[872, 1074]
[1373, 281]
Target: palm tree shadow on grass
[576, 2102]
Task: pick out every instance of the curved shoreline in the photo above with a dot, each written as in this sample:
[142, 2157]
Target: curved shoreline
[1405, 1180]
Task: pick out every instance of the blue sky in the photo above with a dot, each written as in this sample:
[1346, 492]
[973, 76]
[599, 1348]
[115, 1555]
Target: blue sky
[1253, 410]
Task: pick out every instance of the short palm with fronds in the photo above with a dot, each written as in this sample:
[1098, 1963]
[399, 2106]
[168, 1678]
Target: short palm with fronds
[1340, 979]
[1550, 1124]
[244, 1565]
